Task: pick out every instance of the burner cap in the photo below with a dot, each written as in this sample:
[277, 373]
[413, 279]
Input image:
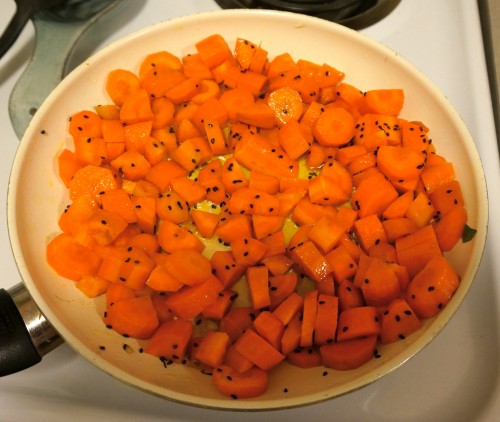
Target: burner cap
[355, 14]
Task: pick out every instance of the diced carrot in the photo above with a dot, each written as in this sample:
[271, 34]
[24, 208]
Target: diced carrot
[247, 384]
[334, 127]
[136, 108]
[120, 84]
[309, 318]
[270, 328]
[163, 173]
[349, 354]
[433, 287]
[213, 50]
[257, 114]
[188, 266]
[415, 249]
[206, 223]
[212, 348]
[68, 164]
[257, 350]
[383, 101]
[350, 296]
[258, 287]
[172, 237]
[281, 286]
[449, 227]
[357, 323]
[221, 306]
[225, 268]
[311, 261]
[190, 301]
[235, 98]
[70, 259]
[90, 181]
[92, 286]
[135, 317]
[171, 340]
[236, 321]
[398, 322]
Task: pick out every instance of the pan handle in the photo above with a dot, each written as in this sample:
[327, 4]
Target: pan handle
[25, 334]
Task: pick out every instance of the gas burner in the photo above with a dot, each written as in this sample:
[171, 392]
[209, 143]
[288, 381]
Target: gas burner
[355, 14]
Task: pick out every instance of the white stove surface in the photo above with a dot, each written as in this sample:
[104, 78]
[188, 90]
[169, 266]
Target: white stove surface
[456, 378]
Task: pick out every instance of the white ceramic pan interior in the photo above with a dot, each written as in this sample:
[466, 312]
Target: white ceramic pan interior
[37, 197]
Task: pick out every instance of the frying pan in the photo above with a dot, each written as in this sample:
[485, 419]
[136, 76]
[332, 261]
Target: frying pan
[37, 197]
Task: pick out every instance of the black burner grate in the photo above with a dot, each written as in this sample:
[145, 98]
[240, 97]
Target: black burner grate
[356, 14]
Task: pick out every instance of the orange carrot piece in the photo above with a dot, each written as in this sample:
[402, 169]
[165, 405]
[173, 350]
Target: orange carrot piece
[381, 284]
[358, 322]
[70, 259]
[190, 301]
[212, 348]
[92, 286]
[326, 319]
[257, 350]
[233, 99]
[433, 287]
[171, 339]
[226, 269]
[136, 108]
[172, 237]
[258, 286]
[398, 208]
[257, 114]
[311, 261]
[281, 286]
[213, 50]
[205, 222]
[90, 181]
[334, 127]
[162, 174]
[286, 103]
[294, 139]
[309, 311]
[120, 84]
[415, 249]
[215, 136]
[68, 164]
[373, 196]
[236, 321]
[277, 264]
[350, 296]
[135, 317]
[449, 227]
[347, 355]
[247, 384]
[270, 328]
[398, 322]
[383, 101]
[369, 231]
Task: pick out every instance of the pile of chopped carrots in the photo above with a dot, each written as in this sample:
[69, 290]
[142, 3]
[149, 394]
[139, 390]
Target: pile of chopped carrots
[238, 211]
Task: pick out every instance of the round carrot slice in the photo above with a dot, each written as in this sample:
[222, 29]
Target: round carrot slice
[334, 127]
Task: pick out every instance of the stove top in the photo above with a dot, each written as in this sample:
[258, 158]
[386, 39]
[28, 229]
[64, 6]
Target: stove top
[455, 378]
[355, 14]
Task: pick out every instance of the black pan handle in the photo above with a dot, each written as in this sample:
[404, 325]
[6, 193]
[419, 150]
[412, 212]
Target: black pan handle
[25, 334]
